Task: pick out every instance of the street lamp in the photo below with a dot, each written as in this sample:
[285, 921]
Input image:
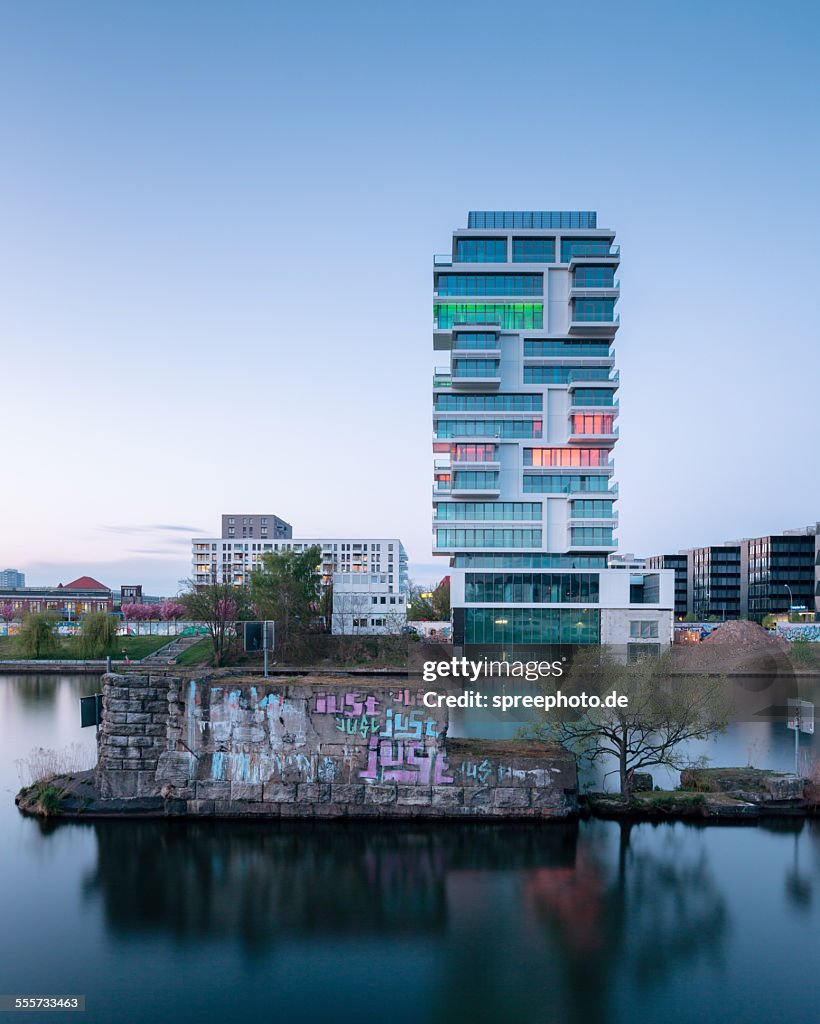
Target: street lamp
[791, 600]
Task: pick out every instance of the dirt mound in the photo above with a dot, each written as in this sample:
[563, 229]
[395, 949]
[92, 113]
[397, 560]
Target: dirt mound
[736, 648]
[742, 634]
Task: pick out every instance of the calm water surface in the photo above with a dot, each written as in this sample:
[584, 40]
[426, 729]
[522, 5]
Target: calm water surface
[451, 923]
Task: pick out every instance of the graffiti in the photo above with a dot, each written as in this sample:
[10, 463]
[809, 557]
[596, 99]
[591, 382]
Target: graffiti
[480, 772]
[233, 766]
[399, 761]
[411, 726]
[807, 631]
[362, 726]
[351, 705]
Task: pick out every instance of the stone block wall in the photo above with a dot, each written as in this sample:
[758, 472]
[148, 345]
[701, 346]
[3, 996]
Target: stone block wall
[232, 747]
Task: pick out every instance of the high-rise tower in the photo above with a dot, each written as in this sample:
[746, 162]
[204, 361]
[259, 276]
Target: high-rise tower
[524, 423]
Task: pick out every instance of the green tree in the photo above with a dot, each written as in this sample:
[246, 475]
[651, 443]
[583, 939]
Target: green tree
[287, 590]
[768, 621]
[420, 604]
[220, 606]
[662, 713]
[441, 600]
[36, 638]
[690, 617]
[98, 635]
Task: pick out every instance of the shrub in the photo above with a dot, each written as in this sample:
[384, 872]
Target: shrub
[98, 634]
[36, 638]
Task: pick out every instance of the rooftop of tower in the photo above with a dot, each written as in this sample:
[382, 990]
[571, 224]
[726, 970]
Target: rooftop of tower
[532, 219]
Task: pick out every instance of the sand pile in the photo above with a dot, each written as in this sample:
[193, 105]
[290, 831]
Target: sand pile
[735, 647]
[745, 635]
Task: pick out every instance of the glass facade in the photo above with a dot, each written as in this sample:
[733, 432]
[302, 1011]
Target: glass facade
[481, 250]
[531, 588]
[475, 340]
[478, 510]
[489, 406]
[475, 367]
[490, 284]
[594, 277]
[558, 483]
[473, 452]
[592, 396]
[592, 423]
[594, 310]
[531, 560]
[566, 457]
[488, 428]
[592, 536]
[510, 625]
[487, 538]
[591, 508]
[510, 316]
[578, 219]
[489, 403]
[584, 247]
[565, 348]
[533, 250]
[564, 374]
[479, 479]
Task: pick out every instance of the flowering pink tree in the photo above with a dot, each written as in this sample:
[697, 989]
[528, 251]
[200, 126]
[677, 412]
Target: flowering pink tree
[7, 612]
[171, 611]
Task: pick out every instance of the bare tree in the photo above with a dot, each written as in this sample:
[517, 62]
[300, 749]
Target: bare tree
[660, 715]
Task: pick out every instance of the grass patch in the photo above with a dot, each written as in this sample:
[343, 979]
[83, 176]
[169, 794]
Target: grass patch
[136, 647]
[200, 653]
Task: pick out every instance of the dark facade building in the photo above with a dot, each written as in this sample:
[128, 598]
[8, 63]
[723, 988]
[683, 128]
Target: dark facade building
[715, 581]
[779, 574]
[749, 578]
[257, 527]
[680, 563]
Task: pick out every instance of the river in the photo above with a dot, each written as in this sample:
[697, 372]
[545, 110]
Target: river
[405, 923]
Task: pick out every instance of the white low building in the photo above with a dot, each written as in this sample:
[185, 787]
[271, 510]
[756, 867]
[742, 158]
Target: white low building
[365, 604]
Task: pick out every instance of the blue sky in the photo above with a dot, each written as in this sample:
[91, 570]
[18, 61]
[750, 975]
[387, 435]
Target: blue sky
[218, 222]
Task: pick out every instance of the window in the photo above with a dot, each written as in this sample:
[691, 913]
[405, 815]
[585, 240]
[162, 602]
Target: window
[475, 368]
[531, 625]
[551, 347]
[594, 536]
[554, 483]
[489, 403]
[482, 480]
[592, 423]
[507, 538]
[589, 396]
[643, 630]
[481, 250]
[533, 250]
[564, 374]
[566, 456]
[594, 310]
[489, 284]
[473, 452]
[489, 428]
[475, 340]
[594, 277]
[543, 219]
[585, 247]
[528, 561]
[531, 588]
[510, 316]
[591, 508]
[481, 510]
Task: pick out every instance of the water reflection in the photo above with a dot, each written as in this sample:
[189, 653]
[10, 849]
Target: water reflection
[263, 883]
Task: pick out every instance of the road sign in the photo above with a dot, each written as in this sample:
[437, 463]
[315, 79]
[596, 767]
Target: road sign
[253, 636]
[801, 716]
[91, 710]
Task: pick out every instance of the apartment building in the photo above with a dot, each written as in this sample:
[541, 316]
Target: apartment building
[524, 425]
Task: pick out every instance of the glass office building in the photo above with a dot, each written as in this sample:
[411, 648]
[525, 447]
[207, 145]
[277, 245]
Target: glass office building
[524, 423]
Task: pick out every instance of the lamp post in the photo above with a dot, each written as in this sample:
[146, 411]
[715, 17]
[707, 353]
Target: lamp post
[791, 600]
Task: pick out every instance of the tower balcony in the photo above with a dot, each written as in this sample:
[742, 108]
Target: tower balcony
[593, 377]
[595, 328]
[608, 259]
[593, 438]
[612, 291]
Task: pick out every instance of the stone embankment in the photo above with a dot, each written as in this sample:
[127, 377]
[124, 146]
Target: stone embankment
[223, 746]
